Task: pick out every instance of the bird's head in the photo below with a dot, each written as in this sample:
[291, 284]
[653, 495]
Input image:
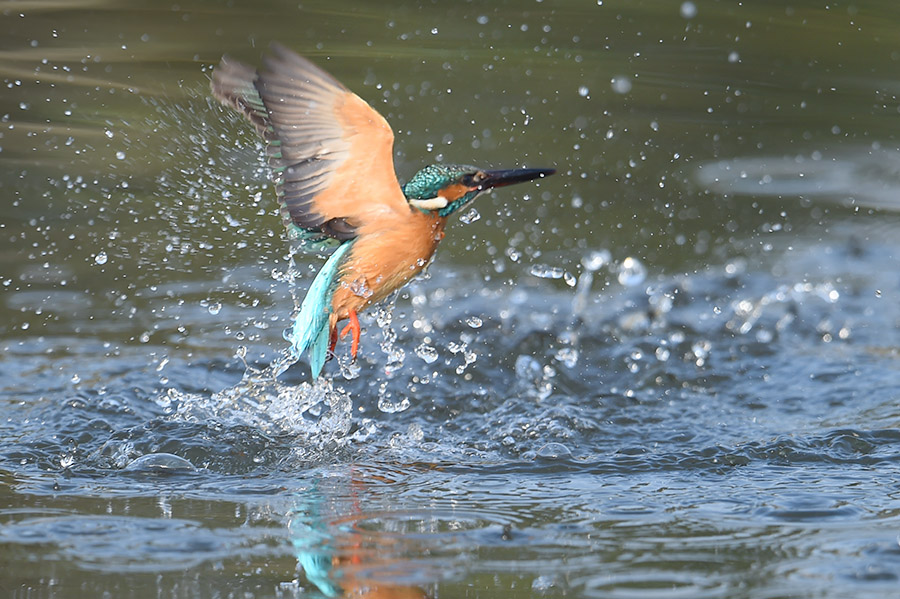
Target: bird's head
[445, 188]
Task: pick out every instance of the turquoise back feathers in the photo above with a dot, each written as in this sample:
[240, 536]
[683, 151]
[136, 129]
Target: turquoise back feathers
[309, 332]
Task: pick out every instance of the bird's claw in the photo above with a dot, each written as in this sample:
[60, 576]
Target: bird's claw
[352, 326]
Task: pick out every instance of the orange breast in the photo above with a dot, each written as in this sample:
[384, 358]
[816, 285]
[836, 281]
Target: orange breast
[384, 260]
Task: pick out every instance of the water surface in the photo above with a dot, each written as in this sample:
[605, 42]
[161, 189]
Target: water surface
[671, 370]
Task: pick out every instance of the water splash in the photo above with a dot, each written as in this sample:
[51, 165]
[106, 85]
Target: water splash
[591, 263]
[395, 355]
[775, 311]
[319, 410]
[469, 356]
[533, 379]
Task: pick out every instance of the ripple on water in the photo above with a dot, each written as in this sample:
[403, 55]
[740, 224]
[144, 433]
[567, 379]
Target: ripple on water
[862, 175]
[161, 463]
[129, 544]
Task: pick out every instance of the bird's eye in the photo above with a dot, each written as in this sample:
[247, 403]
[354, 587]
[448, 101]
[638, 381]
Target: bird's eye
[473, 179]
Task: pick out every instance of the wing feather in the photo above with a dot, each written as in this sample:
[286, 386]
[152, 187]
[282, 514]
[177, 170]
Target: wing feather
[331, 154]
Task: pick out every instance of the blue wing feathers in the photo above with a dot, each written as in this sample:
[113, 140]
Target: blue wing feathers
[319, 351]
[310, 329]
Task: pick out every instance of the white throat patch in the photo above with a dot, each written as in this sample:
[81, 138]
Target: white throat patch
[435, 203]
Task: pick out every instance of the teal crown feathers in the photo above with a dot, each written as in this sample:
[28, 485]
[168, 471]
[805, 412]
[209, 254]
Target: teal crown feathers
[428, 182]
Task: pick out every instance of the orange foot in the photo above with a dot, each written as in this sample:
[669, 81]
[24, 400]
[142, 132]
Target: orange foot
[353, 325]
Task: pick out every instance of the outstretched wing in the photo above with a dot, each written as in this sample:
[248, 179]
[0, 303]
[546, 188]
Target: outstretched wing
[331, 154]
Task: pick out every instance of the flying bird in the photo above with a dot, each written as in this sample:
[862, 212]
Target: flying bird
[331, 159]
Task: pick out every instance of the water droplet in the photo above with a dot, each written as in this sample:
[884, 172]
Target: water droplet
[350, 368]
[75, 379]
[527, 368]
[621, 84]
[568, 356]
[701, 350]
[475, 322]
[214, 308]
[544, 271]
[688, 10]
[120, 155]
[570, 279]
[595, 260]
[554, 451]
[631, 272]
[389, 407]
[359, 288]
[583, 91]
[109, 134]
[427, 353]
[383, 317]
[661, 302]
[470, 216]
[101, 258]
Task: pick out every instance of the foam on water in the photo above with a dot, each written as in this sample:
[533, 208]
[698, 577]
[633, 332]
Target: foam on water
[319, 411]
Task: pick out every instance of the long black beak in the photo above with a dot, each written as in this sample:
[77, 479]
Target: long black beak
[511, 176]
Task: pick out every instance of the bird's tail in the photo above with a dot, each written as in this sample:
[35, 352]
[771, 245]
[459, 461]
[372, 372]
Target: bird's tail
[310, 329]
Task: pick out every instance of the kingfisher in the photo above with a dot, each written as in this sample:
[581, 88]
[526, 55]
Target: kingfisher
[330, 156]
